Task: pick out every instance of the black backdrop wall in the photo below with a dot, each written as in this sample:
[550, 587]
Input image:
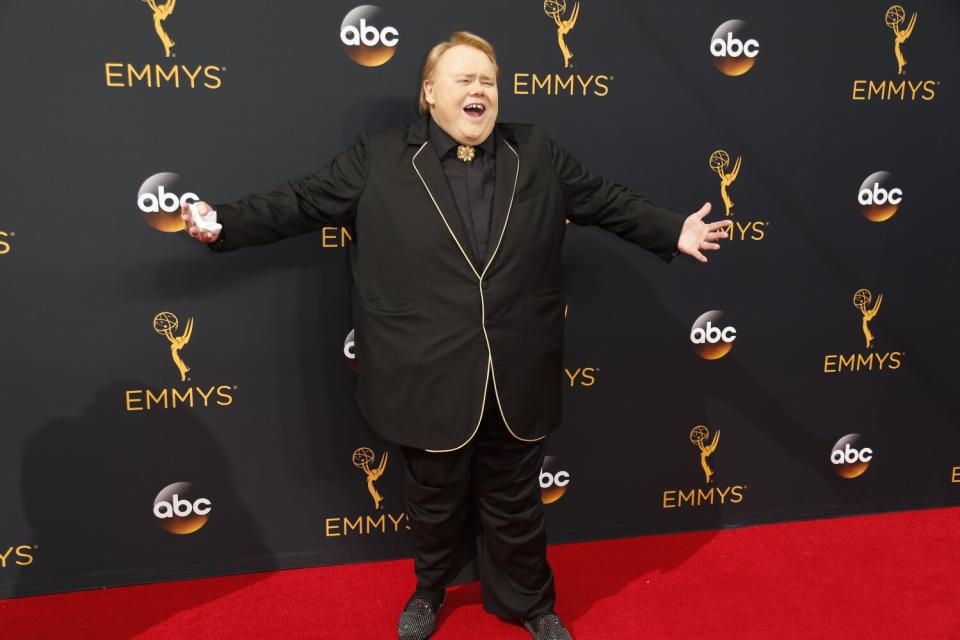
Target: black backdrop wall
[99, 304]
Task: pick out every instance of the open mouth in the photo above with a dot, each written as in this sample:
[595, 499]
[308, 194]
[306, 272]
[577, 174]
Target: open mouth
[474, 110]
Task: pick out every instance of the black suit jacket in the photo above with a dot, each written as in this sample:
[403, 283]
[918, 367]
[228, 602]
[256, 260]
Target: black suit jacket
[433, 326]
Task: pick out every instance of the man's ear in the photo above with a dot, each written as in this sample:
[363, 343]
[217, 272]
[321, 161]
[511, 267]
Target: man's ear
[428, 93]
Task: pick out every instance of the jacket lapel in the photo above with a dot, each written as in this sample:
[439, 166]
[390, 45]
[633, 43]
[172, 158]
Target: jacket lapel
[428, 166]
[505, 187]
[430, 171]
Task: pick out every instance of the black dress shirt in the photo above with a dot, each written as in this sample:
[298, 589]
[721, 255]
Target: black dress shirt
[471, 184]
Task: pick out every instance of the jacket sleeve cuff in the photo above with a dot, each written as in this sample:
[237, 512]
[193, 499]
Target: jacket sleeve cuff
[672, 225]
[218, 244]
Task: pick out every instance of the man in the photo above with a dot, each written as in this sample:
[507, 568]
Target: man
[457, 303]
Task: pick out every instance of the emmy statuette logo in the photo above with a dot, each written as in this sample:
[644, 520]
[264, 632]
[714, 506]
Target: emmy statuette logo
[902, 88]
[380, 521]
[711, 493]
[165, 324]
[161, 13]
[181, 395]
[363, 457]
[554, 9]
[871, 359]
[719, 161]
[567, 83]
[861, 300]
[118, 74]
[894, 19]
[698, 435]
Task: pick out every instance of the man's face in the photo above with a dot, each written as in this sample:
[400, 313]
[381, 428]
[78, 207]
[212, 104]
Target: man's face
[462, 94]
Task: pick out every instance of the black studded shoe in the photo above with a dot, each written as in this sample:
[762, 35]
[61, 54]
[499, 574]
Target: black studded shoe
[418, 619]
[547, 627]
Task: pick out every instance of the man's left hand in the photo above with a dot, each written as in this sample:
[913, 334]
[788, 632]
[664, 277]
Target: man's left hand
[697, 236]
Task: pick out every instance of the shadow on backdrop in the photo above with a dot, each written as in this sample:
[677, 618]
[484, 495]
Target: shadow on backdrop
[98, 528]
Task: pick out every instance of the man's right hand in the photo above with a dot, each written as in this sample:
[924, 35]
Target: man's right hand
[202, 236]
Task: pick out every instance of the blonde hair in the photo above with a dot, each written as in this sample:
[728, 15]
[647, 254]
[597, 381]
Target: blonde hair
[456, 38]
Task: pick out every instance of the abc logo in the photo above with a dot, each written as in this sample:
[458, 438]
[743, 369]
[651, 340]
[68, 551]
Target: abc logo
[878, 198]
[363, 41]
[849, 457]
[179, 510]
[733, 53]
[159, 203]
[349, 350]
[553, 481]
[711, 337]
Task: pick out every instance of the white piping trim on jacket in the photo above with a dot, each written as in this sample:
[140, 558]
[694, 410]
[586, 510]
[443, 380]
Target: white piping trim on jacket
[491, 375]
[482, 306]
[452, 234]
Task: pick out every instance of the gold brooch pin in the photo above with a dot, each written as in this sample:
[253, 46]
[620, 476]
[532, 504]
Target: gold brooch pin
[465, 152]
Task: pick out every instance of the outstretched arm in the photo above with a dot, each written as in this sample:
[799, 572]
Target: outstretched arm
[594, 200]
[326, 198]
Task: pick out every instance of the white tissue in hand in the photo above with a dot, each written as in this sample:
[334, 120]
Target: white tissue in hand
[204, 222]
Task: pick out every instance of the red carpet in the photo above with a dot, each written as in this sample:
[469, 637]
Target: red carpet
[886, 576]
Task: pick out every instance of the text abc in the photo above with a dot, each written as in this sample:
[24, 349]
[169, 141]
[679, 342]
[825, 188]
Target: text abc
[734, 47]
[879, 195]
[712, 335]
[849, 455]
[369, 35]
[165, 201]
[558, 479]
[181, 508]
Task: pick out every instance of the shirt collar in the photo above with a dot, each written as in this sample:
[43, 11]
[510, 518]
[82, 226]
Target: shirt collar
[443, 143]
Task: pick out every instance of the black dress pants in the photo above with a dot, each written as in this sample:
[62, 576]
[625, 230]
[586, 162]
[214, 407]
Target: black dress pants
[477, 512]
